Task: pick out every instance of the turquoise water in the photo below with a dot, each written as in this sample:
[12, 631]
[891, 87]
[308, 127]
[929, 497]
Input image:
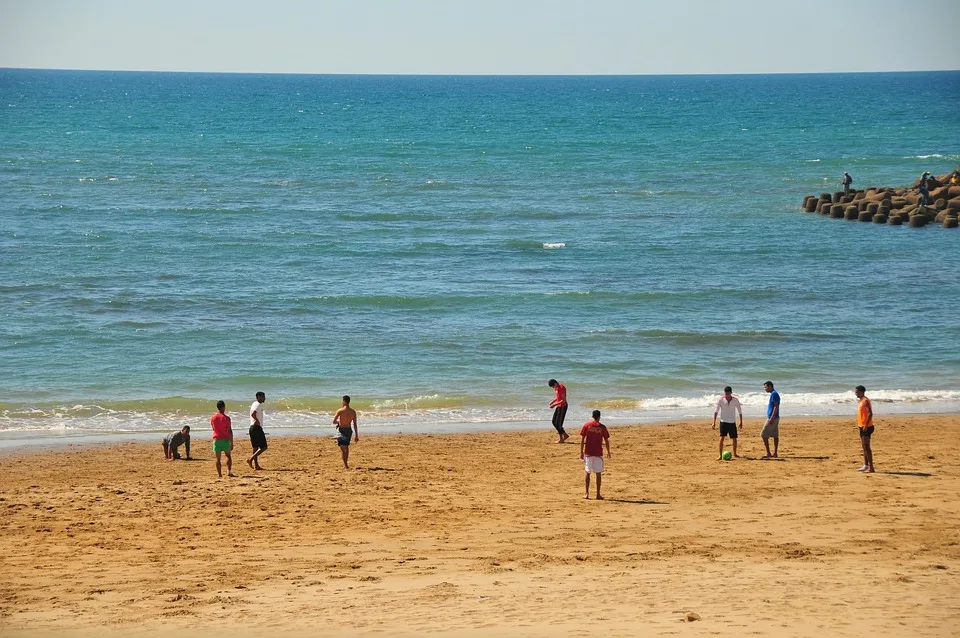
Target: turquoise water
[439, 247]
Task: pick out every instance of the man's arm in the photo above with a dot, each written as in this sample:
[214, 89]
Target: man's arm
[336, 417]
[356, 428]
[583, 443]
[715, 411]
[740, 414]
[255, 417]
[606, 441]
[186, 445]
[776, 410]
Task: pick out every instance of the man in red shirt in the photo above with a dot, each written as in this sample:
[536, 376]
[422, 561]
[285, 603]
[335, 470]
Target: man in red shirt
[559, 405]
[222, 437]
[593, 436]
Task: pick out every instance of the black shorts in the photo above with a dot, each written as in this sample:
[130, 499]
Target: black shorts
[344, 438]
[257, 438]
[728, 429]
[866, 432]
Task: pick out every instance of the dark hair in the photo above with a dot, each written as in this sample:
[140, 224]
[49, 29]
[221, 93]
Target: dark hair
[861, 388]
[552, 382]
[596, 414]
[728, 389]
[769, 383]
[221, 405]
[186, 427]
[260, 394]
[346, 399]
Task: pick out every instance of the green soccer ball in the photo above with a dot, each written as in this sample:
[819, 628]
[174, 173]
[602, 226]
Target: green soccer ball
[727, 455]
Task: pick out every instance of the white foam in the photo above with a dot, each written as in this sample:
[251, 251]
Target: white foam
[555, 246]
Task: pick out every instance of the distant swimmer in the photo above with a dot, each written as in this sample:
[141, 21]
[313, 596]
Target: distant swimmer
[559, 405]
[593, 436]
[846, 181]
[258, 440]
[728, 407]
[865, 427]
[222, 437]
[346, 421]
[771, 427]
[174, 440]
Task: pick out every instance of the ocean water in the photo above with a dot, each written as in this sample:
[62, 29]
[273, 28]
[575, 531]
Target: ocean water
[439, 247]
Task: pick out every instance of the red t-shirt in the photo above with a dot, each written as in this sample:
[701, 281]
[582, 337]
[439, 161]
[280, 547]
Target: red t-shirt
[221, 426]
[595, 433]
[561, 395]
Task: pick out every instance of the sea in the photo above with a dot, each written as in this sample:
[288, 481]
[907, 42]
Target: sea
[439, 247]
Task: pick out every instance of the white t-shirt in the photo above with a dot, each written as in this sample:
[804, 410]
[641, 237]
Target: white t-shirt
[258, 408]
[728, 411]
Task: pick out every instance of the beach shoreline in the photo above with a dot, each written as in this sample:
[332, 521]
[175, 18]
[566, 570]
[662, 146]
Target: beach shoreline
[486, 533]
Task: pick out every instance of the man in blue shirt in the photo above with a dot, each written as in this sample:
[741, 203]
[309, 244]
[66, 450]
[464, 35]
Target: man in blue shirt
[771, 429]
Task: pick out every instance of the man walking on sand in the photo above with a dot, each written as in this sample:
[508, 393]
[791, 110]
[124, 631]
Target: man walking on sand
[258, 440]
[345, 419]
[771, 428]
[222, 437]
[865, 425]
[728, 407]
[593, 436]
[559, 405]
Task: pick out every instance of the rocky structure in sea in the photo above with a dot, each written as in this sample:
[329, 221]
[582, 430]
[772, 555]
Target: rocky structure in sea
[895, 206]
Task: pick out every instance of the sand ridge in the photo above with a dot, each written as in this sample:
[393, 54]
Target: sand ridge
[486, 534]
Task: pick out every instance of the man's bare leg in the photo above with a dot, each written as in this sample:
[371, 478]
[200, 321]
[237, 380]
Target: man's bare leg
[735, 455]
[599, 478]
[776, 445]
[219, 470]
[253, 462]
[766, 444]
[586, 484]
[720, 455]
[345, 453]
[229, 464]
[867, 453]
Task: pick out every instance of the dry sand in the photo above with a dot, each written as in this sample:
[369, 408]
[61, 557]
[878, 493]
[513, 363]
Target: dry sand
[489, 534]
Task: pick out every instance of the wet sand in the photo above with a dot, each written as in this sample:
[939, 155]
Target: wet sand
[489, 534]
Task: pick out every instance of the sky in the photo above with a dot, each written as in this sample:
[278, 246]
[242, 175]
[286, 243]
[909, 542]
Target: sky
[495, 37]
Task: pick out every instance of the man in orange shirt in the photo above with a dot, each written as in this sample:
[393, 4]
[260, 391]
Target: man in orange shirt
[559, 405]
[865, 424]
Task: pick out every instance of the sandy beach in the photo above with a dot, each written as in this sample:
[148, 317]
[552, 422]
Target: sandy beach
[489, 534]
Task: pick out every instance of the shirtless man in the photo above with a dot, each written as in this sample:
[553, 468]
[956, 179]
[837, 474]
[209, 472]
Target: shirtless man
[344, 419]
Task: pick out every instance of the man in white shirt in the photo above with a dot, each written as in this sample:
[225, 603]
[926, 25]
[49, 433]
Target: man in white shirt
[728, 407]
[258, 440]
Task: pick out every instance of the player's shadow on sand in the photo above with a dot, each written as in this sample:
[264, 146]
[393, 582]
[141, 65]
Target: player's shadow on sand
[806, 458]
[922, 474]
[635, 502]
[377, 469]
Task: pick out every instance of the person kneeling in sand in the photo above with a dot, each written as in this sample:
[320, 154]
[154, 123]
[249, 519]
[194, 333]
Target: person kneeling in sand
[344, 419]
[222, 437]
[593, 436]
[174, 440]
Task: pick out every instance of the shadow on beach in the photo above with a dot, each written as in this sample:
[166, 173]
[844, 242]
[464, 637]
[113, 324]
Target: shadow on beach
[922, 474]
[633, 502]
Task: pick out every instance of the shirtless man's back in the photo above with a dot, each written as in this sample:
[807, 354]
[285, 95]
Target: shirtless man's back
[346, 421]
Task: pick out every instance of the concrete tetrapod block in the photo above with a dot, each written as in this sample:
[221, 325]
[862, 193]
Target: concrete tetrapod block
[918, 220]
[879, 218]
[951, 222]
[848, 213]
[895, 220]
[873, 207]
[864, 216]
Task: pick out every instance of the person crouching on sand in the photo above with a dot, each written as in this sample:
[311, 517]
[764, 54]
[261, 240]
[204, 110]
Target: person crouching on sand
[593, 436]
[174, 440]
[222, 437]
[344, 419]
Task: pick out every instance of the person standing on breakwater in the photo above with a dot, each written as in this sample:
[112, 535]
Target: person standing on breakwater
[728, 407]
[174, 440]
[922, 188]
[845, 182]
[345, 419]
[771, 428]
[258, 440]
[559, 405]
[222, 437]
[865, 425]
[593, 436]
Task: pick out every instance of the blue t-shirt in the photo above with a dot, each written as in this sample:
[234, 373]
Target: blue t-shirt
[774, 400]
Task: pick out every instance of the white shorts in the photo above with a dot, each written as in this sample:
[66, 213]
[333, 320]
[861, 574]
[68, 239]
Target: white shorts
[593, 464]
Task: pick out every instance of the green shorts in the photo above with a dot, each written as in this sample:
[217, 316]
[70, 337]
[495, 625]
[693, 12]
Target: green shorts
[222, 445]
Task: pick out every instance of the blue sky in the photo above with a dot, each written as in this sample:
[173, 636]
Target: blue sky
[482, 36]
